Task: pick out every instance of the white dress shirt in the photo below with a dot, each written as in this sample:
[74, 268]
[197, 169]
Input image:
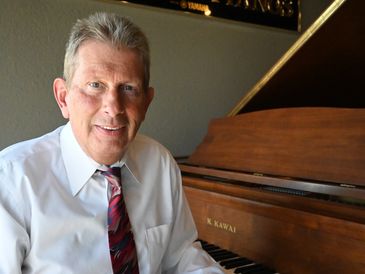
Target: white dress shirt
[53, 210]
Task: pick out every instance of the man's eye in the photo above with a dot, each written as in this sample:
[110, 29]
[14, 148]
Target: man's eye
[95, 84]
[127, 88]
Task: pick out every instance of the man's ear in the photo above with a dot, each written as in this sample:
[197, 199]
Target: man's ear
[60, 93]
[150, 95]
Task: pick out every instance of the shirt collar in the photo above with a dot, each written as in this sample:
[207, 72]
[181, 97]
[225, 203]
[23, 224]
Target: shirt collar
[80, 167]
[131, 170]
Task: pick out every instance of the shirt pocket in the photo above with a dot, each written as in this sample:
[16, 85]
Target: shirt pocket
[157, 241]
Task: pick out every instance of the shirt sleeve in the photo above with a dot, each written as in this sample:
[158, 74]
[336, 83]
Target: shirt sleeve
[14, 238]
[184, 254]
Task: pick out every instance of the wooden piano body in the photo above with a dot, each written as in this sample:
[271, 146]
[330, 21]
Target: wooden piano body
[281, 179]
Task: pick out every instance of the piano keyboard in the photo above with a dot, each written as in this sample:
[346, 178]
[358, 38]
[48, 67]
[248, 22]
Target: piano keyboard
[233, 263]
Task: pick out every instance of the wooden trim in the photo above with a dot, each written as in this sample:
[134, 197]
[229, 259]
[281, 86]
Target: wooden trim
[315, 187]
[305, 204]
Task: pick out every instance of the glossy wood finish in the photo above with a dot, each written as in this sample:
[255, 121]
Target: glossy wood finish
[279, 235]
[320, 187]
[325, 144]
[255, 188]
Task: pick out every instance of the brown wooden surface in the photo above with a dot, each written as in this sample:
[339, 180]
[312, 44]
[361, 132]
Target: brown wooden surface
[278, 235]
[339, 210]
[325, 144]
[338, 190]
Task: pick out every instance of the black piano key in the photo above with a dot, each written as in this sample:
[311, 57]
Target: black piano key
[255, 269]
[224, 256]
[250, 269]
[210, 247]
[236, 262]
[218, 251]
[222, 252]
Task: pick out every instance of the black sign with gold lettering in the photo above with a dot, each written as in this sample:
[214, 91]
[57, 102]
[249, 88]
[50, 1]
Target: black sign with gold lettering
[275, 13]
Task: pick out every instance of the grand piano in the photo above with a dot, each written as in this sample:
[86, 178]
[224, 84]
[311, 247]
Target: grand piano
[280, 180]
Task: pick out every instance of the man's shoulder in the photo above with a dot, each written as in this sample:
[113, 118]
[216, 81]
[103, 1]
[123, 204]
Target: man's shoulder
[148, 144]
[47, 143]
[146, 158]
[146, 149]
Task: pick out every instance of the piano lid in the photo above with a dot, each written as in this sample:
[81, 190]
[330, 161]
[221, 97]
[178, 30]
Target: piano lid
[305, 119]
[323, 68]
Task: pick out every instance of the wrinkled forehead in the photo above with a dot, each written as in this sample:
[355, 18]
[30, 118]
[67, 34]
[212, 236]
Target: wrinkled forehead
[104, 55]
[103, 58]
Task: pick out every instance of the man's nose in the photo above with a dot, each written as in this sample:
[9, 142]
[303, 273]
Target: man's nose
[113, 103]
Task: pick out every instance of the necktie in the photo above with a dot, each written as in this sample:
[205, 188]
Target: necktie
[121, 242]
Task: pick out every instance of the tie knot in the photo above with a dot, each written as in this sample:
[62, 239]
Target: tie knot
[113, 175]
[111, 171]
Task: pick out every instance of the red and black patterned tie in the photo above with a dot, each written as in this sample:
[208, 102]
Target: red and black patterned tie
[121, 242]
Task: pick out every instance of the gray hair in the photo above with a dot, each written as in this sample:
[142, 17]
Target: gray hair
[106, 27]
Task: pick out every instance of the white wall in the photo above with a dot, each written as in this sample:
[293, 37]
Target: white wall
[201, 67]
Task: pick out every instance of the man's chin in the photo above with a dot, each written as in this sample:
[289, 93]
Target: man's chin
[108, 154]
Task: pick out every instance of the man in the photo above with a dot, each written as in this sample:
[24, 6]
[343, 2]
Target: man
[57, 191]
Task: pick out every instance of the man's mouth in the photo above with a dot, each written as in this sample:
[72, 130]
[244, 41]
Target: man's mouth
[111, 128]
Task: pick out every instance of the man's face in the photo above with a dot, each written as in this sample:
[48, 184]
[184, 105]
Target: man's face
[105, 100]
